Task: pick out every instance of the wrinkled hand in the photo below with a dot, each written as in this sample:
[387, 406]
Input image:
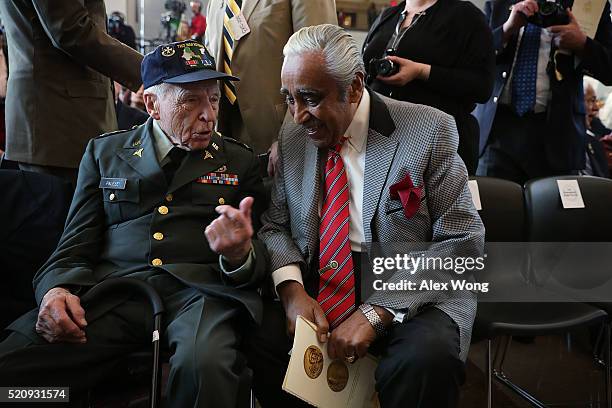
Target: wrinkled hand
[297, 302]
[408, 72]
[273, 159]
[230, 233]
[519, 15]
[352, 337]
[61, 317]
[569, 37]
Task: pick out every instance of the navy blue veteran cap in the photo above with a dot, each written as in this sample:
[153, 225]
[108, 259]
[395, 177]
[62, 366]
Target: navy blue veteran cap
[179, 63]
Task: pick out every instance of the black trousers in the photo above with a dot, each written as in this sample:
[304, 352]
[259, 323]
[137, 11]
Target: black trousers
[419, 361]
[202, 334]
[517, 148]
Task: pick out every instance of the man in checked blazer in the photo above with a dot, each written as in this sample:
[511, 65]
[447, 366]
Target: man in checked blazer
[422, 337]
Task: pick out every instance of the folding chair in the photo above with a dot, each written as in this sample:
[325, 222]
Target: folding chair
[503, 214]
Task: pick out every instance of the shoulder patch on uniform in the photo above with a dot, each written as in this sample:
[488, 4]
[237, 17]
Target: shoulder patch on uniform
[116, 132]
[232, 140]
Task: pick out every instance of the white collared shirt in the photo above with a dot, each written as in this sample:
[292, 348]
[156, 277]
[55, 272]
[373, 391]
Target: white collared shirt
[353, 156]
[542, 79]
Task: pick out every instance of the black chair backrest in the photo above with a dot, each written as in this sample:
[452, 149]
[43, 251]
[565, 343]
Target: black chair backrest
[550, 222]
[503, 209]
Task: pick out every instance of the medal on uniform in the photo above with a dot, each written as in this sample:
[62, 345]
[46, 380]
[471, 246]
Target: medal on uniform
[218, 178]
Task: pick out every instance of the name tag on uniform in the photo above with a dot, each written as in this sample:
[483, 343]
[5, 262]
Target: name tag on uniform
[239, 27]
[218, 178]
[116, 183]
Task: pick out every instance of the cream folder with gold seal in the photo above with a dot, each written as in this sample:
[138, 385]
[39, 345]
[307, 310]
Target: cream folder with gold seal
[313, 377]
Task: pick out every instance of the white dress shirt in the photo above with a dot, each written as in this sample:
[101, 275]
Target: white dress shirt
[542, 79]
[353, 154]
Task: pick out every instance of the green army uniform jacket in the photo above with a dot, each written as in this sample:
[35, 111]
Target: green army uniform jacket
[126, 221]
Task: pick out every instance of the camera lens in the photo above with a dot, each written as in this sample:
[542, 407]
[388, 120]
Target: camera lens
[385, 67]
[547, 8]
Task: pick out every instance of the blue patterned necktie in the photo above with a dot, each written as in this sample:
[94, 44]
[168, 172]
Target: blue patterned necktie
[526, 71]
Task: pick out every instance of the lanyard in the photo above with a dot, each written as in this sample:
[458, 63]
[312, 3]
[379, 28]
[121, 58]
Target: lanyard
[399, 32]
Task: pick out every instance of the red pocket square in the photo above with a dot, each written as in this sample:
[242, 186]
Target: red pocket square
[408, 194]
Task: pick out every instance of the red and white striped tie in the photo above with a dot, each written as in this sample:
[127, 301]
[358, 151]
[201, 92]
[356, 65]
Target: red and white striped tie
[337, 279]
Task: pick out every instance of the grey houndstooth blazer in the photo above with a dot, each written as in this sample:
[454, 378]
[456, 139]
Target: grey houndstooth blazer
[403, 138]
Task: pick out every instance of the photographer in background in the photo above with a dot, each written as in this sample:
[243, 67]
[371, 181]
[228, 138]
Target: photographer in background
[533, 126]
[437, 53]
[121, 31]
[171, 20]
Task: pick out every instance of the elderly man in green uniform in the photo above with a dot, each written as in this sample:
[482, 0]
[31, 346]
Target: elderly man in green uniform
[170, 203]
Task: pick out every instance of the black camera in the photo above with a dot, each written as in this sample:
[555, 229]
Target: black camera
[550, 13]
[382, 66]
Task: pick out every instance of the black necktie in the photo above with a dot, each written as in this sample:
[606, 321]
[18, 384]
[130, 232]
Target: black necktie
[176, 156]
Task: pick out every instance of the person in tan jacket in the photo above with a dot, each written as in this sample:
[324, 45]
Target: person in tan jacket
[59, 93]
[256, 56]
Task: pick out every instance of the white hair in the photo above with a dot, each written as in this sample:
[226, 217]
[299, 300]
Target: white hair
[160, 90]
[338, 48]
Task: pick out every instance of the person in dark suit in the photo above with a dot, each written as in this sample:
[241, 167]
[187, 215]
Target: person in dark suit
[339, 162]
[533, 125]
[59, 93]
[169, 203]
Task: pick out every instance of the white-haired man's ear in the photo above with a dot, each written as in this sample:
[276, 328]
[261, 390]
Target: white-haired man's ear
[151, 104]
[356, 88]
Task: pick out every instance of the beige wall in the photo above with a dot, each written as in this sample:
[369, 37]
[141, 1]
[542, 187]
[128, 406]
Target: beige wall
[153, 9]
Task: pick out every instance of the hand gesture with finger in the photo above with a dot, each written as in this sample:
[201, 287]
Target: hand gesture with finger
[230, 233]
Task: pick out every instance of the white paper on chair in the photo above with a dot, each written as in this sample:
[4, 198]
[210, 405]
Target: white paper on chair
[571, 197]
[313, 377]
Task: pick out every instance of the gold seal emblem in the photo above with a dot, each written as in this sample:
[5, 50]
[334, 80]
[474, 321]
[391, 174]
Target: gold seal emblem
[168, 51]
[313, 362]
[337, 375]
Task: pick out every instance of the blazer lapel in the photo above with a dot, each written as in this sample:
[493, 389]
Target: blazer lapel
[139, 153]
[199, 163]
[248, 8]
[380, 152]
[310, 181]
